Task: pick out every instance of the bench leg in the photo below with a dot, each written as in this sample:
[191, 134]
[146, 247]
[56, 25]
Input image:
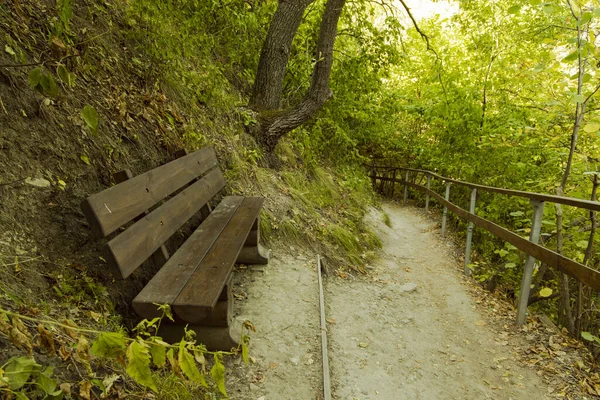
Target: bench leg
[213, 337]
[253, 252]
[253, 255]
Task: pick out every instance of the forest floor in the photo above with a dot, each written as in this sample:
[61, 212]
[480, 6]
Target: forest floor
[414, 327]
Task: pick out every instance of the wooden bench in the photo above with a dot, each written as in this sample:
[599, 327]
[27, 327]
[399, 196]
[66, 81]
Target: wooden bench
[195, 280]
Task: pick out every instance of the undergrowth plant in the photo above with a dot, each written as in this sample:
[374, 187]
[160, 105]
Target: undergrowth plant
[145, 357]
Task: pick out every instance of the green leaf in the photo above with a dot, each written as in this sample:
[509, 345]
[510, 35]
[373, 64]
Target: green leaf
[159, 354]
[49, 85]
[510, 265]
[109, 344]
[597, 12]
[45, 381]
[571, 57]
[188, 365]
[545, 292]
[245, 353]
[585, 18]
[18, 371]
[218, 374]
[64, 75]
[138, 366]
[90, 116]
[514, 9]
[588, 336]
[85, 159]
[34, 77]
[517, 213]
[582, 244]
[548, 9]
[9, 50]
[578, 98]
[592, 127]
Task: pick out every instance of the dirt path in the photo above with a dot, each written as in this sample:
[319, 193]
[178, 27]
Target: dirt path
[409, 330]
[413, 332]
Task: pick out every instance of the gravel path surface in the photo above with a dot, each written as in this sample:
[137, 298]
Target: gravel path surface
[410, 329]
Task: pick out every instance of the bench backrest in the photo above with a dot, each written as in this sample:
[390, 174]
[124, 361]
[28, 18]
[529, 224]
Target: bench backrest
[116, 206]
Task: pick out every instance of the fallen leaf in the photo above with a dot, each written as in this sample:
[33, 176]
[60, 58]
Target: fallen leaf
[46, 340]
[84, 389]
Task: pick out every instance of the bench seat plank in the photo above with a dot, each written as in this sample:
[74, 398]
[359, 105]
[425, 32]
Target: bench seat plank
[129, 250]
[108, 210]
[202, 290]
[164, 287]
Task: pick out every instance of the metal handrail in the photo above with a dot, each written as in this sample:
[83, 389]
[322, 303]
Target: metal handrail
[534, 251]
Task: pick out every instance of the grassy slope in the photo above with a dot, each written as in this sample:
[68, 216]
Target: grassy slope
[50, 266]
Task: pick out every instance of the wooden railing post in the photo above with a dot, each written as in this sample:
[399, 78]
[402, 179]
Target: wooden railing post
[427, 197]
[534, 236]
[445, 214]
[406, 187]
[470, 233]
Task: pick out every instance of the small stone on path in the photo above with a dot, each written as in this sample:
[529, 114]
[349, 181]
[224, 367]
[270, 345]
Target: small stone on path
[408, 287]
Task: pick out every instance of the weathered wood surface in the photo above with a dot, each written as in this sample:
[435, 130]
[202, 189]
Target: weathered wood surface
[570, 201]
[160, 256]
[202, 290]
[108, 210]
[132, 247]
[166, 285]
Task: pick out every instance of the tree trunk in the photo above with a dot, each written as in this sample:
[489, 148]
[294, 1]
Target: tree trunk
[565, 293]
[275, 53]
[273, 125]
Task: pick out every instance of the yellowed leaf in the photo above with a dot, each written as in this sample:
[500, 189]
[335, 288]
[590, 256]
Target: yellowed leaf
[84, 389]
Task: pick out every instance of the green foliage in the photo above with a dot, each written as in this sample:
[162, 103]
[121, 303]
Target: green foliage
[218, 373]
[146, 356]
[90, 116]
[43, 82]
[109, 344]
[386, 220]
[65, 12]
[188, 365]
[24, 378]
[138, 363]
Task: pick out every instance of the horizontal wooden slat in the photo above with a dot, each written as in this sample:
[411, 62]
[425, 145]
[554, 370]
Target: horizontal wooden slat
[139, 241]
[570, 267]
[202, 290]
[108, 210]
[570, 201]
[166, 285]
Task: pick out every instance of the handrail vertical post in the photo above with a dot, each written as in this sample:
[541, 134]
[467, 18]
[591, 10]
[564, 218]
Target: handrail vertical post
[373, 179]
[406, 187]
[534, 237]
[470, 232]
[394, 183]
[445, 214]
[428, 188]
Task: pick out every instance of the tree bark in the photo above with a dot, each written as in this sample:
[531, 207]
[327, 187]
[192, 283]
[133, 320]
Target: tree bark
[275, 53]
[274, 125]
[565, 293]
